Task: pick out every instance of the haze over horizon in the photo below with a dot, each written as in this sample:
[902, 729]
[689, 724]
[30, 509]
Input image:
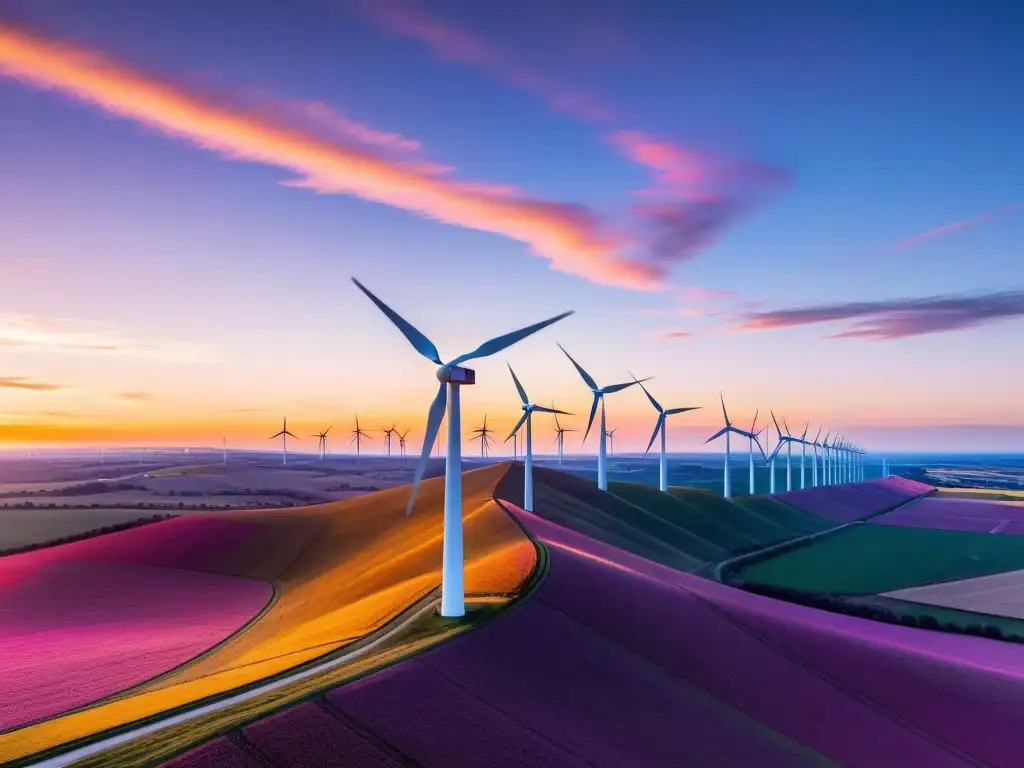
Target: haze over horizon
[815, 211]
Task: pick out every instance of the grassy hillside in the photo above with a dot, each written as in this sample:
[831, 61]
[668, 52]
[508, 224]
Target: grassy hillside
[686, 529]
[871, 559]
[341, 570]
[577, 503]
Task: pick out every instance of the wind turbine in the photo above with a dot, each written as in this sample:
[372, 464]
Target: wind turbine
[527, 418]
[357, 437]
[826, 460]
[599, 393]
[451, 376]
[751, 440]
[387, 438]
[321, 444]
[803, 455]
[814, 464]
[483, 435]
[788, 440]
[660, 426]
[727, 430]
[401, 444]
[224, 442]
[560, 436]
[284, 434]
[610, 434]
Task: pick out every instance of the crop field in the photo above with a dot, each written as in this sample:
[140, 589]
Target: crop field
[847, 503]
[872, 559]
[343, 569]
[618, 660]
[19, 527]
[954, 514]
[1015, 495]
[1001, 594]
[76, 632]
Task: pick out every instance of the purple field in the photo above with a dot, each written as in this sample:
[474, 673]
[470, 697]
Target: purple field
[846, 503]
[73, 633]
[616, 660]
[219, 753]
[954, 514]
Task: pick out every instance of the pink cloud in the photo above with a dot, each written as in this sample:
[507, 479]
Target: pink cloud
[954, 226]
[671, 334]
[897, 318]
[571, 236]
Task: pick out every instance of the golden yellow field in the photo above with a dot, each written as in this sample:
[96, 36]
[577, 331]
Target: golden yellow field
[984, 493]
[342, 570]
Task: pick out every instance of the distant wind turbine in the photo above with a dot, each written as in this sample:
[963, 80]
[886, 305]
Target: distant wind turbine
[451, 376]
[814, 463]
[224, 442]
[610, 434]
[401, 444]
[321, 444]
[527, 418]
[560, 436]
[387, 438]
[284, 434]
[660, 426]
[599, 393]
[358, 435]
[803, 456]
[727, 430]
[752, 439]
[483, 434]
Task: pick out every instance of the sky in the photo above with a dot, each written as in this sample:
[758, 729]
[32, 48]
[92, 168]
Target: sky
[813, 209]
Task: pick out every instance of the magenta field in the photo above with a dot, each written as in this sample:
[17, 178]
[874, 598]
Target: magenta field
[852, 501]
[615, 660]
[74, 633]
[979, 516]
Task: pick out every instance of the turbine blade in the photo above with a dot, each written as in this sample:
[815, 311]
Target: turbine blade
[717, 435]
[519, 423]
[725, 413]
[593, 411]
[655, 403]
[619, 387]
[503, 342]
[519, 387]
[542, 409]
[671, 411]
[587, 379]
[420, 343]
[434, 417]
[277, 435]
[658, 425]
[776, 423]
[753, 425]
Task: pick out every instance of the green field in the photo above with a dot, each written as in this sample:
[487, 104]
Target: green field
[869, 559]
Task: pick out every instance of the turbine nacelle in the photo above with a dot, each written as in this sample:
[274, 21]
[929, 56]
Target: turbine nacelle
[456, 374]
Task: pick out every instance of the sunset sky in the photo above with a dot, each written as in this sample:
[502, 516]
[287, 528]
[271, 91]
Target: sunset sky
[815, 208]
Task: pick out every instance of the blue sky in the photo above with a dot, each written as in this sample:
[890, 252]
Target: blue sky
[816, 144]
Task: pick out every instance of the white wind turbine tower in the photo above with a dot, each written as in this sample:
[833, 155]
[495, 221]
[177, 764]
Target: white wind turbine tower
[357, 437]
[560, 436]
[527, 418]
[826, 446]
[751, 440]
[727, 430]
[803, 455]
[321, 444]
[837, 460]
[599, 393]
[451, 376]
[814, 465]
[284, 434]
[661, 426]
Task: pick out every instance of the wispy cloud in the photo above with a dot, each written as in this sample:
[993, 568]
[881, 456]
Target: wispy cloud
[76, 335]
[947, 229]
[135, 397]
[684, 312]
[670, 334]
[898, 318]
[694, 196]
[448, 42]
[40, 414]
[20, 382]
[571, 236]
